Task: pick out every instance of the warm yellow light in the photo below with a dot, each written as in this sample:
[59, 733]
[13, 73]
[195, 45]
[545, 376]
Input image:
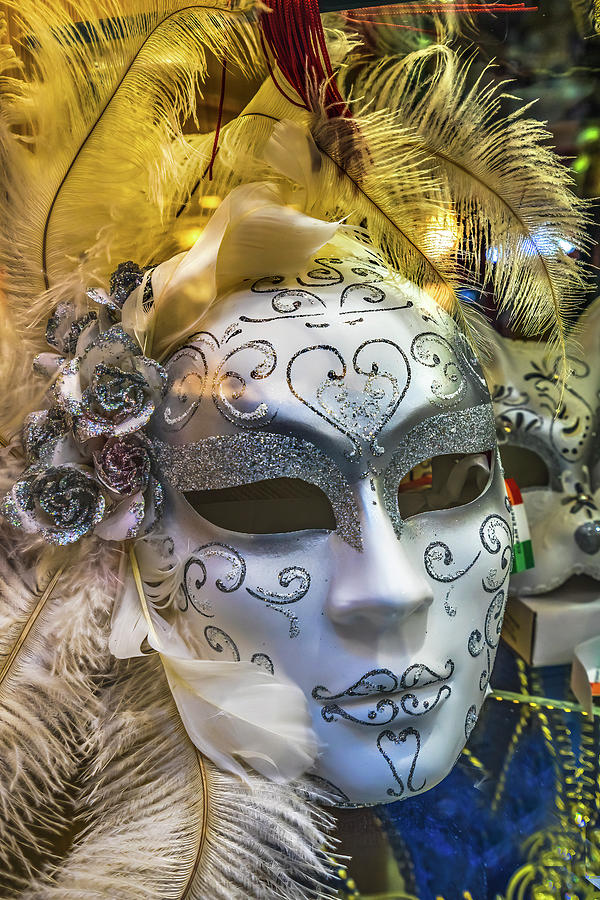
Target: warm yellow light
[188, 237]
[442, 233]
[211, 201]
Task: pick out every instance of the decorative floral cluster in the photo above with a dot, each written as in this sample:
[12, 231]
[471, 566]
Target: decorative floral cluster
[90, 463]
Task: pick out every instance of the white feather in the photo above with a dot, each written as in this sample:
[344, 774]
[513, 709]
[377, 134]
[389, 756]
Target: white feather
[252, 232]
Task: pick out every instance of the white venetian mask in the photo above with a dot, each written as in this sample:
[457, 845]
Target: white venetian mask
[291, 419]
[551, 449]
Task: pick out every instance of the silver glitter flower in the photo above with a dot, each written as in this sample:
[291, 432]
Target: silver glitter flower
[65, 327]
[67, 333]
[111, 389]
[62, 503]
[43, 431]
[124, 280]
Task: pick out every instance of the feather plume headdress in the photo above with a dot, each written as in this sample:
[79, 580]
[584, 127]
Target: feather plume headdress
[98, 170]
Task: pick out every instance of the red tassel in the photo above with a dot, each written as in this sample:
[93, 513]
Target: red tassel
[294, 34]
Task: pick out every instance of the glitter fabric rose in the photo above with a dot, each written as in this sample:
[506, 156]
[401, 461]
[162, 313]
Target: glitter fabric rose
[124, 467]
[91, 468]
[124, 464]
[43, 431]
[111, 389]
[62, 503]
[124, 280]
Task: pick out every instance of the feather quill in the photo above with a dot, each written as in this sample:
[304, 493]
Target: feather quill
[372, 173]
[432, 156]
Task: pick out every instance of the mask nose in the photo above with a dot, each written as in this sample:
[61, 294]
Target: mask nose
[587, 537]
[381, 586]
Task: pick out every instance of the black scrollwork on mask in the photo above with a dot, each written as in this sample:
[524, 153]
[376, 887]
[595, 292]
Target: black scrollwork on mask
[277, 599]
[476, 643]
[361, 293]
[436, 352]
[397, 739]
[219, 641]
[497, 538]
[437, 552]
[493, 620]
[385, 711]
[420, 675]
[195, 575]
[264, 662]
[417, 706]
[186, 390]
[470, 721]
[359, 414]
[555, 423]
[324, 275]
[490, 639]
[570, 415]
[290, 301]
[381, 681]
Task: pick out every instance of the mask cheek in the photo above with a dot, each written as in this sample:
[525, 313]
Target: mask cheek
[252, 597]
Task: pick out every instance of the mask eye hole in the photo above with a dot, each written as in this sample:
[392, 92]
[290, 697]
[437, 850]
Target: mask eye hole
[526, 467]
[273, 506]
[443, 482]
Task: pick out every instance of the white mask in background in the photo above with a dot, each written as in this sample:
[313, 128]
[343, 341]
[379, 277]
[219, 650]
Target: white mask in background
[290, 420]
[552, 457]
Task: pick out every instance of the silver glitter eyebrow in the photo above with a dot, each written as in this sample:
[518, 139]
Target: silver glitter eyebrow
[234, 459]
[471, 430]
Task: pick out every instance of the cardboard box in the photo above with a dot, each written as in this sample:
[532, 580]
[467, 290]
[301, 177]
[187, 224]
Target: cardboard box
[545, 629]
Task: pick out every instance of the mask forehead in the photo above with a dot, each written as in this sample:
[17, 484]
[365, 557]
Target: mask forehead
[344, 357]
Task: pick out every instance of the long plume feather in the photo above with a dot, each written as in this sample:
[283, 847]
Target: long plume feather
[161, 821]
[99, 113]
[53, 648]
[506, 189]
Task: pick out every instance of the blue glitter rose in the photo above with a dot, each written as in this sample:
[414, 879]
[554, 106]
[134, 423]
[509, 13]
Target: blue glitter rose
[62, 503]
[111, 389]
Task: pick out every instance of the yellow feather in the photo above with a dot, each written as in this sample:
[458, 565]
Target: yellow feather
[93, 134]
[587, 16]
[371, 173]
[509, 192]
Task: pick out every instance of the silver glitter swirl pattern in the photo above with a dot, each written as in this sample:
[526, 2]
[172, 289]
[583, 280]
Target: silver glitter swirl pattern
[195, 575]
